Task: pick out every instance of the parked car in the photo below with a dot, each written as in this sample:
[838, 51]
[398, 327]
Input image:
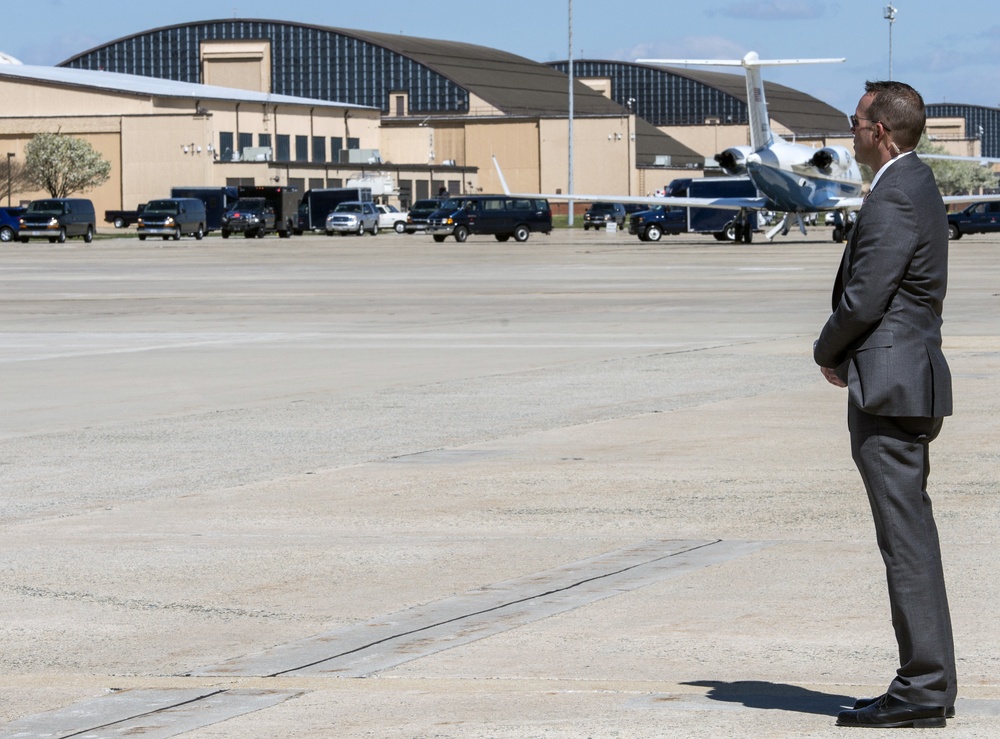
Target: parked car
[57, 219]
[9, 223]
[499, 215]
[599, 215]
[420, 211]
[173, 218]
[318, 202]
[978, 218]
[352, 217]
[389, 216]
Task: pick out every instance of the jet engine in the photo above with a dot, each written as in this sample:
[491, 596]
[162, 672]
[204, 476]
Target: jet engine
[734, 160]
[831, 159]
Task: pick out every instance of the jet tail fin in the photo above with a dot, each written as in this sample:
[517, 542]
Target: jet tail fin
[760, 123]
[503, 181]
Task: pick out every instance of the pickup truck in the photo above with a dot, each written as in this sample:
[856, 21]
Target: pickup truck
[652, 224]
[978, 218]
[389, 216]
[123, 218]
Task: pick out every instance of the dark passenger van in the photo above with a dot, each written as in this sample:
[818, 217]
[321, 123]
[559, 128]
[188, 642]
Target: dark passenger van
[173, 218]
[502, 216]
[57, 219]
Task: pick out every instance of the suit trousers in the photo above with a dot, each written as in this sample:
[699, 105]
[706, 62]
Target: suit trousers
[892, 455]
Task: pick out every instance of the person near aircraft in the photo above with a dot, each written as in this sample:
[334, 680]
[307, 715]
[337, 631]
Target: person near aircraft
[883, 343]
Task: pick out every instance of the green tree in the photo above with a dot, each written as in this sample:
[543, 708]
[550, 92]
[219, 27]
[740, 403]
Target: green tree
[63, 165]
[956, 177]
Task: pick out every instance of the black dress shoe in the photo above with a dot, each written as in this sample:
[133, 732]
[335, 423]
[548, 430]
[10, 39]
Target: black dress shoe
[949, 711]
[887, 712]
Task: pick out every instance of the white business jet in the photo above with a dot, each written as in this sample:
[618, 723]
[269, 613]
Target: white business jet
[789, 177]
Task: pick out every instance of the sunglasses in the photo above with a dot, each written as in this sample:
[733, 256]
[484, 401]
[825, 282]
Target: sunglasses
[856, 118]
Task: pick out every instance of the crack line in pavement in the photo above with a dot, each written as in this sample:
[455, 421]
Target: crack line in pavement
[389, 640]
[159, 709]
[494, 608]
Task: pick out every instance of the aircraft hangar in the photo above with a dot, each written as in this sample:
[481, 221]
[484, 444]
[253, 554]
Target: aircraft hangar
[445, 108]
[451, 104]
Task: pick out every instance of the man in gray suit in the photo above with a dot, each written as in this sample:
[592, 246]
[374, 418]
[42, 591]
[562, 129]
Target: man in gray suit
[883, 343]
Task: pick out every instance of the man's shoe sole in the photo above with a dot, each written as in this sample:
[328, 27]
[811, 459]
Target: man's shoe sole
[937, 722]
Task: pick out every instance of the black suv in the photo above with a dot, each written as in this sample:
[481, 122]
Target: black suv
[252, 216]
[420, 211]
[599, 215]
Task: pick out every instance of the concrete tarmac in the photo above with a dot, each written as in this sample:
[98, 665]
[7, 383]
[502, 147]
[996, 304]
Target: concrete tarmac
[583, 486]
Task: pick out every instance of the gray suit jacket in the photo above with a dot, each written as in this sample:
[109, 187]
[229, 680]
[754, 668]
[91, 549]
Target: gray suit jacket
[884, 336]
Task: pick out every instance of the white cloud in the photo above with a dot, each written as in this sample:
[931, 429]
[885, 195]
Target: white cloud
[687, 47]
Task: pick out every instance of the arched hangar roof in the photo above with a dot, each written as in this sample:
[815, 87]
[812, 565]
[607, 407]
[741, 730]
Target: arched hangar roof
[358, 67]
[669, 96]
[980, 121]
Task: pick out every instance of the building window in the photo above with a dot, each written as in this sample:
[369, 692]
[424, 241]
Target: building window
[353, 143]
[301, 148]
[284, 153]
[246, 142]
[319, 149]
[315, 183]
[226, 145]
[264, 139]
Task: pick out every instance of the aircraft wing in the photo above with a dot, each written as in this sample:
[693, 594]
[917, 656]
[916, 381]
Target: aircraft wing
[948, 199]
[981, 161]
[840, 204]
[758, 203]
[755, 203]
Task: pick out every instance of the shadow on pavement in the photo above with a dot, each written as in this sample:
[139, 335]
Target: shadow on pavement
[775, 696]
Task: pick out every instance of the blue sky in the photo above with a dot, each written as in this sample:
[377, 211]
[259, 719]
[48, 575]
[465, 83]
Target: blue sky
[948, 51]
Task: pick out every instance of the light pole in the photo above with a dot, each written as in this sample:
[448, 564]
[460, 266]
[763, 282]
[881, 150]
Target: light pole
[10, 156]
[569, 126]
[629, 140]
[890, 15]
